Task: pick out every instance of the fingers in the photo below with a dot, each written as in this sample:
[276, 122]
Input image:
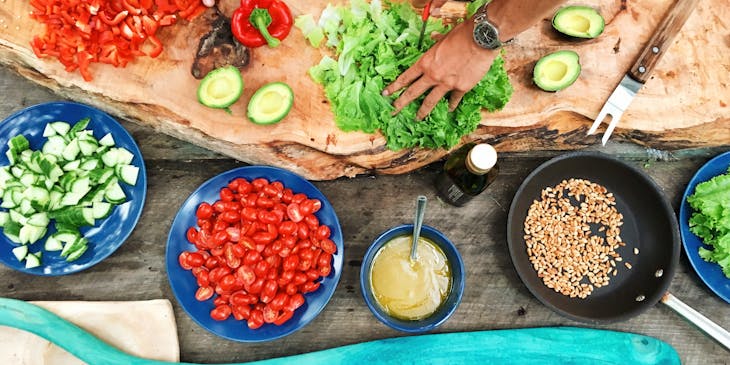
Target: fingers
[455, 99]
[430, 101]
[412, 93]
[403, 80]
[436, 7]
[436, 36]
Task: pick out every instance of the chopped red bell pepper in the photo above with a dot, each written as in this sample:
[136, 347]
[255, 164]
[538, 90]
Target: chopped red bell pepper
[253, 28]
[79, 33]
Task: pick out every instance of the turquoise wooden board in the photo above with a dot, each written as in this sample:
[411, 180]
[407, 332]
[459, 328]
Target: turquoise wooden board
[548, 345]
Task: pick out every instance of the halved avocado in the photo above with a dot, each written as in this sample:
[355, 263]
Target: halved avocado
[578, 21]
[271, 103]
[221, 87]
[557, 70]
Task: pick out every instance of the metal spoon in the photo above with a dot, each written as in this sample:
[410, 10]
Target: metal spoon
[420, 210]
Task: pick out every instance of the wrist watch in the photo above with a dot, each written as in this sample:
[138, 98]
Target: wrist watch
[486, 34]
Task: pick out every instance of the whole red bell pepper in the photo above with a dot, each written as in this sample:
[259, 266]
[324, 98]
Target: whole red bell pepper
[259, 22]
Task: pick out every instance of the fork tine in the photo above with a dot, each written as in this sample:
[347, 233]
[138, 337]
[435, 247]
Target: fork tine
[614, 120]
[601, 115]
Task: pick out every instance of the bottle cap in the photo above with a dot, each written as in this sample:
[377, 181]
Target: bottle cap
[482, 158]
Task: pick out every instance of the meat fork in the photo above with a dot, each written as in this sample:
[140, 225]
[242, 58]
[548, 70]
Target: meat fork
[637, 76]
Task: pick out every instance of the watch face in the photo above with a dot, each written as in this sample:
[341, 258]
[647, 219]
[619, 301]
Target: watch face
[486, 36]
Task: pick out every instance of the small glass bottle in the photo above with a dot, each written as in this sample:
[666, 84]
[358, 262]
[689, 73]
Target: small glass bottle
[467, 172]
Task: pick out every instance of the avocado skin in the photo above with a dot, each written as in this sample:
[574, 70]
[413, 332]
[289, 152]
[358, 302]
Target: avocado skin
[574, 68]
[597, 23]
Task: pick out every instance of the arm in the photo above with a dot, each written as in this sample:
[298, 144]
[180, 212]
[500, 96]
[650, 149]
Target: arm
[456, 63]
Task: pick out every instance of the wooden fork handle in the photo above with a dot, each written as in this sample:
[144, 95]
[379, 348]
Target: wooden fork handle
[662, 39]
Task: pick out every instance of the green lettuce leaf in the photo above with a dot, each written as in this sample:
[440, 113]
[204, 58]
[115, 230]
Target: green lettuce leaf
[373, 44]
[710, 220]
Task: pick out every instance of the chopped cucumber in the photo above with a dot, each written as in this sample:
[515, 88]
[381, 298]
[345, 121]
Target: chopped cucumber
[32, 260]
[73, 179]
[53, 244]
[107, 140]
[20, 252]
[61, 128]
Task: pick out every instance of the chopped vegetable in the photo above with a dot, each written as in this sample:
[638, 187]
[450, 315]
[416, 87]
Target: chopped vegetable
[374, 45]
[259, 22]
[310, 29]
[221, 87]
[79, 33]
[711, 219]
[271, 103]
[73, 179]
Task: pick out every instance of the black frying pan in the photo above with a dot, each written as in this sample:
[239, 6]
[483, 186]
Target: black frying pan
[649, 225]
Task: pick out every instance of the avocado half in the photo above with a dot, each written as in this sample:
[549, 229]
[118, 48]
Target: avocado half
[579, 21]
[557, 70]
[221, 87]
[271, 103]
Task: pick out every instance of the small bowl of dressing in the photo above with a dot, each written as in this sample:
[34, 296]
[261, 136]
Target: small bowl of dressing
[412, 296]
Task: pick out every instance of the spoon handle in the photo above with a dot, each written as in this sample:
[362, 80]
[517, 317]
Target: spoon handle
[420, 210]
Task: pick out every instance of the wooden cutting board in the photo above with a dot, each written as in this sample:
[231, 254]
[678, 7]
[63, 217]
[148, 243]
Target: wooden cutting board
[143, 328]
[685, 104]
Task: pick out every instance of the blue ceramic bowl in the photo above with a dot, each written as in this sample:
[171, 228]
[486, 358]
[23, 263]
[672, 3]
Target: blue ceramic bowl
[108, 234]
[709, 272]
[184, 284]
[457, 282]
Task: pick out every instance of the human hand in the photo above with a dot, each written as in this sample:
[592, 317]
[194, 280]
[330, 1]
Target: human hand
[435, 5]
[453, 65]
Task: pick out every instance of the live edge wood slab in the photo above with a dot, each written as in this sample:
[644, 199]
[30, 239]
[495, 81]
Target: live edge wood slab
[683, 105]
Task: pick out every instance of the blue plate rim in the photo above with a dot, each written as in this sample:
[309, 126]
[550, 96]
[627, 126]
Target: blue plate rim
[699, 265]
[339, 241]
[142, 178]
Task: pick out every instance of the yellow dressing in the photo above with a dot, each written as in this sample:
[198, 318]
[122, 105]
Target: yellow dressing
[406, 290]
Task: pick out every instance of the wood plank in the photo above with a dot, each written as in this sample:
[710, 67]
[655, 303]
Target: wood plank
[494, 299]
[671, 112]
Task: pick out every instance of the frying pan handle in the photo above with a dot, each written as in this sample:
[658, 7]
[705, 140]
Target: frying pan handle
[707, 326]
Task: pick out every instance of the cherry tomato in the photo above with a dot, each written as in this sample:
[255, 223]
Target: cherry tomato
[219, 206]
[283, 317]
[221, 300]
[230, 216]
[261, 268]
[204, 211]
[294, 213]
[246, 274]
[307, 207]
[192, 235]
[312, 221]
[302, 231]
[255, 319]
[285, 278]
[241, 312]
[248, 243]
[182, 259]
[202, 278]
[316, 205]
[226, 194]
[263, 237]
[217, 274]
[279, 301]
[295, 301]
[195, 259]
[309, 287]
[324, 259]
[204, 293]
[227, 283]
[268, 292]
[298, 198]
[256, 286]
[324, 271]
[328, 246]
[286, 196]
[252, 257]
[291, 289]
[278, 185]
[322, 232]
[290, 263]
[299, 278]
[258, 184]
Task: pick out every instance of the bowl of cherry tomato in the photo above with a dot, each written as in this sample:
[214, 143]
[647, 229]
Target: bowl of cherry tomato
[254, 254]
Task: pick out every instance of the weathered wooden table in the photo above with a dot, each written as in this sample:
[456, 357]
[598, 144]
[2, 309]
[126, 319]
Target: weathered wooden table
[494, 299]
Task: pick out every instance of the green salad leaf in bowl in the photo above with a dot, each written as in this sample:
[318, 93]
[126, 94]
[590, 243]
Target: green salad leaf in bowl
[711, 219]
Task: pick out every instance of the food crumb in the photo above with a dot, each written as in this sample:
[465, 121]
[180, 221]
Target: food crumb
[636, 251]
[521, 311]
[628, 265]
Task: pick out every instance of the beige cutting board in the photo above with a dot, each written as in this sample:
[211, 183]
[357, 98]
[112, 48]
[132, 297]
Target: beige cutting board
[145, 329]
